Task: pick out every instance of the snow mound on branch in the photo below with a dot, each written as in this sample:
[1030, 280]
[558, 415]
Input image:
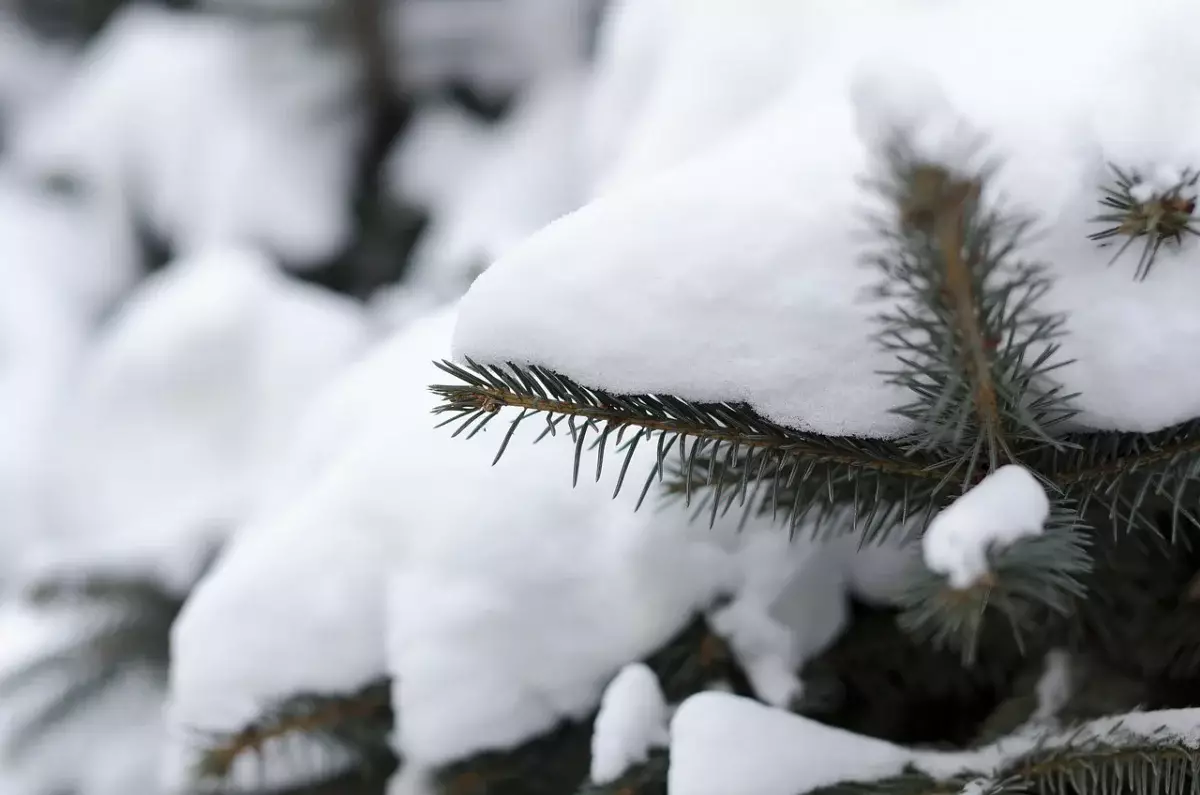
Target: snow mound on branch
[792, 755]
[214, 131]
[722, 743]
[103, 761]
[185, 400]
[734, 275]
[496, 47]
[42, 342]
[1007, 505]
[632, 720]
[507, 598]
[528, 174]
[81, 245]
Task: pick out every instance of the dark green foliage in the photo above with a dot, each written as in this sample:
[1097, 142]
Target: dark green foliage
[1112, 764]
[893, 686]
[558, 761]
[1161, 220]
[647, 779]
[123, 625]
[355, 726]
[1031, 583]
[552, 764]
[1142, 616]
[965, 321]
[742, 457]
[1125, 481]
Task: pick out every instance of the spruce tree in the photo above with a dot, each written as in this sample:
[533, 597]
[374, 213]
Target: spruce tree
[1107, 580]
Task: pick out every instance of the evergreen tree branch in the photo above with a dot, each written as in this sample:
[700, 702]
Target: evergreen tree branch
[120, 623]
[971, 347]
[358, 724]
[735, 453]
[948, 203]
[721, 445]
[1125, 472]
[649, 778]
[1030, 582]
[1100, 758]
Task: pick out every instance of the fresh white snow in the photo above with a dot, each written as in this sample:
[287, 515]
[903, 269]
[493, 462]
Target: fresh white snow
[1055, 686]
[184, 401]
[528, 174]
[494, 46]
[734, 275]
[632, 721]
[42, 341]
[683, 217]
[1007, 505]
[722, 743]
[508, 599]
[215, 132]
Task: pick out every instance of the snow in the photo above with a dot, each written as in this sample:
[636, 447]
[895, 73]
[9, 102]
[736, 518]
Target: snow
[632, 720]
[41, 343]
[1055, 685]
[495, 46]
[482, 580]
[528, 173]
[103, 761]
[753, 240]
[183, 402]
[30, 69]
[215, 132]
[82, 247]
[722, 743]
[1007, 505]
[439, 151]
[792, 755]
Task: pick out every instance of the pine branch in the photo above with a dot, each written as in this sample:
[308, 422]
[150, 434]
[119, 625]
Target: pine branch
[646, 779]
[358, 725]
[1162, 217]
[124, 624]
[1124, 472]
[964, 325]
[790, 470]
[1035, 580]
[895, 687]
[1101, 758]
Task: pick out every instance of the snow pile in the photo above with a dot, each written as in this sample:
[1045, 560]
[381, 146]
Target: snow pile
[211, 130]
[792, 755]
[632, 720]
[494, 46]
[733, 274]
[527, 174]
[507, 599]
[1007, 505]
[186, 398]
[1054, 688]
[80, 244]
[42, 341]
[30, 70]
[102, 761]
[722, 744]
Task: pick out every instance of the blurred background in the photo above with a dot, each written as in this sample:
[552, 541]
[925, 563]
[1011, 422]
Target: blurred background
[209, 208]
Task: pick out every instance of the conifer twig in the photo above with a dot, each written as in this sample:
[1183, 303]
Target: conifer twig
[359, 723]
[944, 200]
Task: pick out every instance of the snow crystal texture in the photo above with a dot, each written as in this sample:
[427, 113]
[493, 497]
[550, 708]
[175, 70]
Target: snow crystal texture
[734, 274]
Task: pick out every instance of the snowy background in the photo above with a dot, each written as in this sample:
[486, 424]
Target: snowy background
[220, 304]
[193, 298]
